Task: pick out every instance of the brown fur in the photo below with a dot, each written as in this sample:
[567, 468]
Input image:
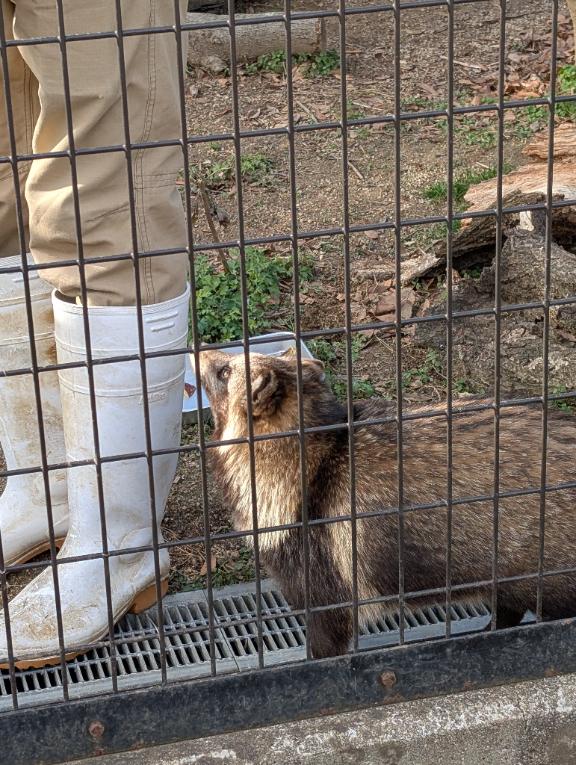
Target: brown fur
[425, 531]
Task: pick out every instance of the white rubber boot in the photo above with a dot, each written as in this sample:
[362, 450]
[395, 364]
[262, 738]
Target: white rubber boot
[23, 514]
[127, 501]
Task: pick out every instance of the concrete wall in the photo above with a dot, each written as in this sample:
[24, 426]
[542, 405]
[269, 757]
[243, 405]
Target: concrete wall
[524, 724]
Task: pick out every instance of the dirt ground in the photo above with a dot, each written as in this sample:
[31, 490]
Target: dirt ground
[319, 179]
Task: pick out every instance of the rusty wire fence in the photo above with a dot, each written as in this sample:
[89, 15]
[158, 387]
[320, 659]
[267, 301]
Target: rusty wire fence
[113, 716]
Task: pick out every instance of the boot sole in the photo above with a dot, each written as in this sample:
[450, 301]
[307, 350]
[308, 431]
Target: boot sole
[143, 600]
[34, 551]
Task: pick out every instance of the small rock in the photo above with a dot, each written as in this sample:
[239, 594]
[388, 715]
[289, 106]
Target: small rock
[214, 64]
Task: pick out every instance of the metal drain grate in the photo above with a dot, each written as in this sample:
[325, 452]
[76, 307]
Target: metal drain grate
[187, 642]
[282, 634]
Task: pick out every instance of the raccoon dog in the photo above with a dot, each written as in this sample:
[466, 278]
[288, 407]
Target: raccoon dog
[516, 516]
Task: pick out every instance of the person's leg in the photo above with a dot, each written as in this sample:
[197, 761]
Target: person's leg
[23, 512]
[25, 109]
[126, 502]
[97, 116]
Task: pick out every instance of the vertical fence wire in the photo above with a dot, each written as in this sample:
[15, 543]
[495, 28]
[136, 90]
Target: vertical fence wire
[89, 358]
[348, 316]
[546, 328]
[297, 320]
[245, 315]
[30, 323]
[397, 324]
[498, 309]
[136, 257]
[449, 309]
[195, 335]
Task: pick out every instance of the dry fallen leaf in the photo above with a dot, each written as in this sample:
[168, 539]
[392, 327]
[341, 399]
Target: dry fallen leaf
[386, 304]
[569, 336]
[431, 91]
[385, 309]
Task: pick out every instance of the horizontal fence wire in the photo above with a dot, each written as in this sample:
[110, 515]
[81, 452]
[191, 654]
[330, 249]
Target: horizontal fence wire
[295, 238]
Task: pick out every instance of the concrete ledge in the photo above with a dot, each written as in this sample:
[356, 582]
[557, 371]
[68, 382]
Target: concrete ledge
[530, 723]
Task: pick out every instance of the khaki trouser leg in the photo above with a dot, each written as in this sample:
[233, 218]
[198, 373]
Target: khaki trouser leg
[104, 199]
[25, 110]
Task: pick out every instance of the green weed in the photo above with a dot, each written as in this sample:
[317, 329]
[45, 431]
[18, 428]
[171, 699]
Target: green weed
[467, 386]
[529, 120]
[229, 571]
[179, 582]
[427, 235]
[323, 350]
[353, 112]
[474, 272]
[438, 191]
[270, 62]
[255, 168]
[316, 64]
[361, 388]
[567, 405]
[425, 104]
[319, 64]
[483, 136]
[363, 132]
[333, 355]
[218, 299]
[566, 86]
[430, 368]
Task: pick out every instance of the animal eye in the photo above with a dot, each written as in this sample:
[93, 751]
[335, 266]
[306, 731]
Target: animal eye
[224, 373]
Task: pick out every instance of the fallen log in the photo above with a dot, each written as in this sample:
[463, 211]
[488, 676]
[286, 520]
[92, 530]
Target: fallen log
[210, 6]
[252, 40]
[521, 332]
[564, 143]
[524, 186]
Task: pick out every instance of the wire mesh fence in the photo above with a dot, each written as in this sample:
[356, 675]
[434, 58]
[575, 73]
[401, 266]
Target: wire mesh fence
[377, 519]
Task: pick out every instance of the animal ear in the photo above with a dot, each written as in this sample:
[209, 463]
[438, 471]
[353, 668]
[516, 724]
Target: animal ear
[265, 393]
[314, 369]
